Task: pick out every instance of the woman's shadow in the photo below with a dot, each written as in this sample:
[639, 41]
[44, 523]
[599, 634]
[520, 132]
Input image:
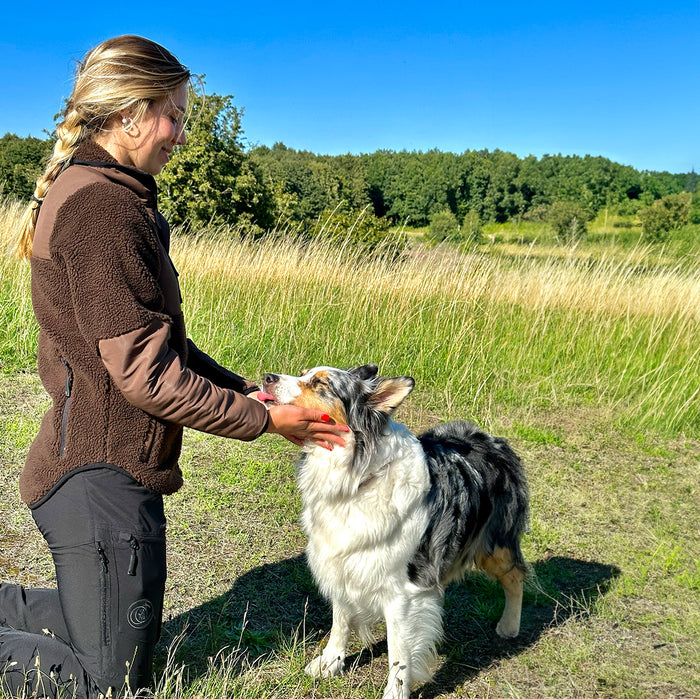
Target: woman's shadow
[277, 605]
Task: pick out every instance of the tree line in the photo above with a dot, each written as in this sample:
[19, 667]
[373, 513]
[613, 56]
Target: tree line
[215, 178]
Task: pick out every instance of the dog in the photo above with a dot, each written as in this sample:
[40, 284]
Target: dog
[392, 518]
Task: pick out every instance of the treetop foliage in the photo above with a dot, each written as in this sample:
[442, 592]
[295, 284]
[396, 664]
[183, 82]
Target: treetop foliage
[215, 179]
[21, 163]
[211, 179]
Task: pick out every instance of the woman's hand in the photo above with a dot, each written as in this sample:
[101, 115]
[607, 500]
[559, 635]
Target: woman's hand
[300, 425]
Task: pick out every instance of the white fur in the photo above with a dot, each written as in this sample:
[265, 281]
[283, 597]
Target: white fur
[363, 529]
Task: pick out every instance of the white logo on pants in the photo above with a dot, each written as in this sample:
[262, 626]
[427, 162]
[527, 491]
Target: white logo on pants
[140, 614]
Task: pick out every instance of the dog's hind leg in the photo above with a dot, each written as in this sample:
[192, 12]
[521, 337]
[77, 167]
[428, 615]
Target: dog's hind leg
[332, 660]
[500, 565]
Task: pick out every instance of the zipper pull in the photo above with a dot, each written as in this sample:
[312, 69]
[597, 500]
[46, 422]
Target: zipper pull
[134, 546]
[68, 377]
[103, 557]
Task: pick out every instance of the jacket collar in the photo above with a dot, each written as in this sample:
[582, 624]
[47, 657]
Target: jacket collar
[144, 185]
[90, 154]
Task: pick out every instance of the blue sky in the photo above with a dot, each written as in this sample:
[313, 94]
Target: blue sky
[617, 79]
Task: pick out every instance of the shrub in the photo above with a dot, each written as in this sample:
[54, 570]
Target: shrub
[443, 227]
[667, 214]
[569, 221]
[471, 227]
[358, 228]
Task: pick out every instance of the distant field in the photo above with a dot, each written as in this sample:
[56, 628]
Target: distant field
[586, 358]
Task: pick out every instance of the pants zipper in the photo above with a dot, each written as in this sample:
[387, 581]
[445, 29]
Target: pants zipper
[104, 561]
[133, 560]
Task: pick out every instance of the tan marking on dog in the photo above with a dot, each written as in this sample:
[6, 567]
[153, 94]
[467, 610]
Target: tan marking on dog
[500, 565]
[310, 398]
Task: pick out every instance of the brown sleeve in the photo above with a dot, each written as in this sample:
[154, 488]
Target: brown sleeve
[151, 376]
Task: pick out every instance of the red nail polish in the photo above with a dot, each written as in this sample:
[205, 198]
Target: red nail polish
[325, 418]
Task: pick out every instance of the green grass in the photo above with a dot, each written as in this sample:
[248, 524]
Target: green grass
[478, 331]
[586, 358]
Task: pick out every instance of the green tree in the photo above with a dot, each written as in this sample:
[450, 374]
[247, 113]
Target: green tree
[211, 179]
[569, 221]
[665, 215]
[21, 162]
[694, 214]
[311, 183]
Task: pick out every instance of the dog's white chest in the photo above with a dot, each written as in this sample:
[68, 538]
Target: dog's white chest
[362, 533]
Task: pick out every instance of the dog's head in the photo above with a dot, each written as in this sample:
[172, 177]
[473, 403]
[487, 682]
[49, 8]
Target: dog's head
[356, 397]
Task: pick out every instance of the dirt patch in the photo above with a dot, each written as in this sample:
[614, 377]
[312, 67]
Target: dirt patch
[610, 611]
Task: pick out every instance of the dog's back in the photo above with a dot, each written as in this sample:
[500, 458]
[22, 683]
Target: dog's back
[478, 503]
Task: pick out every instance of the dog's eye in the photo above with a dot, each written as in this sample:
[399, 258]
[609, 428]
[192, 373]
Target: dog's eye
[318, 382]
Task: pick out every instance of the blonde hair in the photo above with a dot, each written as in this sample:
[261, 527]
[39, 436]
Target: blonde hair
[124, 73]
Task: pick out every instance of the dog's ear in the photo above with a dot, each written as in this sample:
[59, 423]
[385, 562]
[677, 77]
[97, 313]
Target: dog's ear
[390, 393]
[364, 372]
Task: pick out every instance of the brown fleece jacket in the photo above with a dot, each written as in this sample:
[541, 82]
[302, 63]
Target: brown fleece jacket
[113, 350]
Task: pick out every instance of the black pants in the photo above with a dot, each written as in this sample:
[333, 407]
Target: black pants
[98, 630]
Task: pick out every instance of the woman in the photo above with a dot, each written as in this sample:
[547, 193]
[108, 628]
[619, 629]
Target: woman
[124, 379]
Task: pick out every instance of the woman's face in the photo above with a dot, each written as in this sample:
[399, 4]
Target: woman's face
[148, 144]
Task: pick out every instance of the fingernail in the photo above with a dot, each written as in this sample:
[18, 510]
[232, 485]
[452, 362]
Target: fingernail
[325, 418]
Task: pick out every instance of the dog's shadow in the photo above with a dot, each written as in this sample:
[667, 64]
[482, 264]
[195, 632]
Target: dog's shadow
[277, 605]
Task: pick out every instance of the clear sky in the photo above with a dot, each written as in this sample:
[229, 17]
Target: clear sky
[617, 79]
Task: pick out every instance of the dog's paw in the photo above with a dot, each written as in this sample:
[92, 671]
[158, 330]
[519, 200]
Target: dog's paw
[396, 690]
[506, 630]
[325, 667]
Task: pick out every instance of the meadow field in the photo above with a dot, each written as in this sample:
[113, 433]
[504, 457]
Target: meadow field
[587, 358]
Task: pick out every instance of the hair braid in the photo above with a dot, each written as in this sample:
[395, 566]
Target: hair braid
[70, 133]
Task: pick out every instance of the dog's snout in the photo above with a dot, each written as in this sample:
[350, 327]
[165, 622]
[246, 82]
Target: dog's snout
[271, 378]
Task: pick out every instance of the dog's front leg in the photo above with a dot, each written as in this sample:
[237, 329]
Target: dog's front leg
[331, 662]
[398, 638]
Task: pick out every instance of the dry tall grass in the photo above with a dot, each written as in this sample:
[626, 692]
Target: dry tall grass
[479, 331]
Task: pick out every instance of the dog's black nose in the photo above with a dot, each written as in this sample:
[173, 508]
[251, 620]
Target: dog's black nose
[271, 378]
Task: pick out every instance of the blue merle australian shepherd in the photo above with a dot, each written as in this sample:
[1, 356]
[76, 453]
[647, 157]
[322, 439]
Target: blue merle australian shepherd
[393, 518]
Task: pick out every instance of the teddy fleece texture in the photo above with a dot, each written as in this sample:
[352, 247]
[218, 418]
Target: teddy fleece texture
[101, 273]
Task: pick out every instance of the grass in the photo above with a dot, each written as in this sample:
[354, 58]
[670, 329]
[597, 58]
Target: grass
[478, 331]
[586, 358]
